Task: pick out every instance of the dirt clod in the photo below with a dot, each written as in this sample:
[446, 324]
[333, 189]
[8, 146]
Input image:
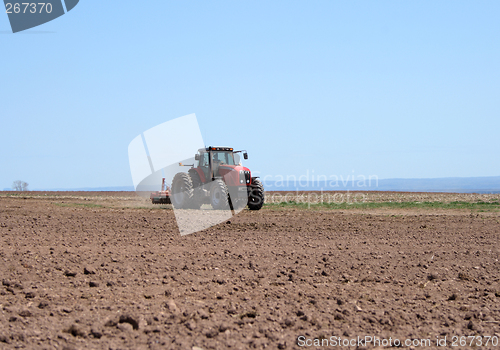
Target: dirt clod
[134, 322]
[88, 271]
[75, 331]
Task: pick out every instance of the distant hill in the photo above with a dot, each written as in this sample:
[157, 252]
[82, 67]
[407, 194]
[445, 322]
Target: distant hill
[490, 184]
[90, 189]
[450, 184]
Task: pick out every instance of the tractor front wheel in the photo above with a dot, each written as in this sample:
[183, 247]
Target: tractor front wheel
[197, 190]
[219, 198]
[238, 204]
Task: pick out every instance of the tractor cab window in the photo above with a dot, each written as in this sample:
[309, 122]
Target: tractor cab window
[204, 159]
[223, 158]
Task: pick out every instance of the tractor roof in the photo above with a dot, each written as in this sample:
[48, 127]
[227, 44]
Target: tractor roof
[211, 148]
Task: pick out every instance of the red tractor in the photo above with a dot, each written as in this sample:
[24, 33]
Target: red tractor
[219, 180]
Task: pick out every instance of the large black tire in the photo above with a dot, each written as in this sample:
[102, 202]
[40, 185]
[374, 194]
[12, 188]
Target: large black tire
[219, 195]
[197, 190]
[256, 196]
[182, 191]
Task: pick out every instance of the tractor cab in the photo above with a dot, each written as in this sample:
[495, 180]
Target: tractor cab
[217, 162]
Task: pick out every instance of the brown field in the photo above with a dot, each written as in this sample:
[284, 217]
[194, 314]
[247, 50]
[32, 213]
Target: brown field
[108, 270]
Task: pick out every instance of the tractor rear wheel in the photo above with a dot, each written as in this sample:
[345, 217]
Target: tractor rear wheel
[219, 195]
[197, 190]
[256, 196]
[182, 191]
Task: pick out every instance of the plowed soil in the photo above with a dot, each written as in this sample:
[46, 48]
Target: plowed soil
[109, 271]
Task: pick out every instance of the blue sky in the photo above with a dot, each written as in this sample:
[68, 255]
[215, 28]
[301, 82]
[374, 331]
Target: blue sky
[387, 88]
